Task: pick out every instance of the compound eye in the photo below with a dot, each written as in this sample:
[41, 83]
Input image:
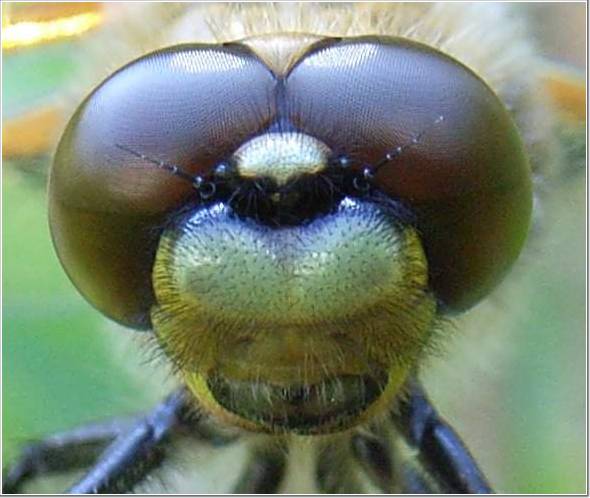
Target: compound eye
[188, 105]
[462, 166]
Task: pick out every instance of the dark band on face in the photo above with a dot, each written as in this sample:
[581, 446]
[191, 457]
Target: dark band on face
[302, 409]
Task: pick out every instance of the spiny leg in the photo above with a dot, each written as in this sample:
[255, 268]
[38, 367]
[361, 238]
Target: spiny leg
[264, 470]
[389, 465]
[136, 452]
[374, 453]
[70, 450]
[440, 450]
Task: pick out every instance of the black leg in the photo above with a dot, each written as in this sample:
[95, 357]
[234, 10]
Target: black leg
[392, 468]
[440, 450]
[61, 452]
[374, 453]
[138, 451]
[264, 471]
[413, 480]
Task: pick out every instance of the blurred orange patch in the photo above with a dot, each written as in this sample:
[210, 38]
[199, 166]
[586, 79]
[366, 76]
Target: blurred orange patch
[568, 90]
[27, 24]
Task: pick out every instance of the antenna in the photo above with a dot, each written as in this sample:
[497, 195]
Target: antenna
[206, 189]
[369, 172]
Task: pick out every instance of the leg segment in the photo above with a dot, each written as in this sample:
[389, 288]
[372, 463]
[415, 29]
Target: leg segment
[374, 454]
[61, 452]
[440, 450]
[390, 466]
[138, 451]
[413, 480]
[264, 471]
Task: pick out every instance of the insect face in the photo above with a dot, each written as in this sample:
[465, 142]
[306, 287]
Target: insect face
[269, 307]
[347, 200]
[294, 219]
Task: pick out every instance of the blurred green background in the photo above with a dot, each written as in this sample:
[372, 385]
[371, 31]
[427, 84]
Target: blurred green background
[518, 399]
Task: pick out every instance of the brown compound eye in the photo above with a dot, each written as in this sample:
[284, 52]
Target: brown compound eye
[188, 105]
[466, 177]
